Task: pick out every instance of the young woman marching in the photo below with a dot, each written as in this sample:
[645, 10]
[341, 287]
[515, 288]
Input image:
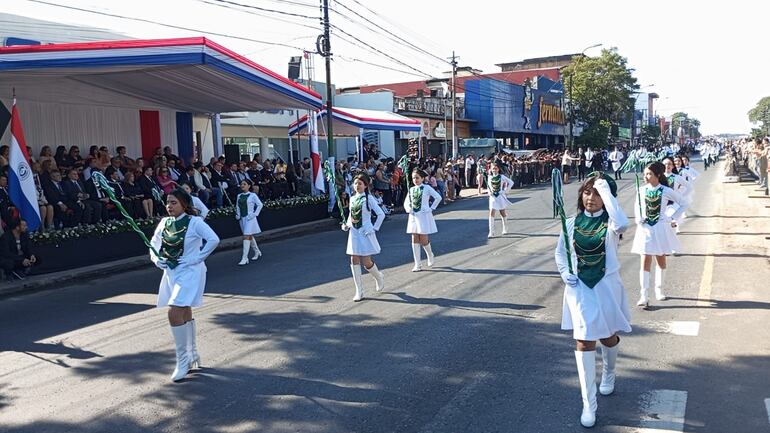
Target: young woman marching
[595, 305]
[497, 186]
[654, 237]
[421, 222]
[679, 184]
[179, 240]
[362, 240]
[247, 208]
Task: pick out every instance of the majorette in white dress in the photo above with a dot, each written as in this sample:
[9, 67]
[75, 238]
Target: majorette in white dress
[420, 211]
[497, 186]
[247, 208]
[362, 240]
[599, 312]
[679, 184]
[183, 285]
[654, 236]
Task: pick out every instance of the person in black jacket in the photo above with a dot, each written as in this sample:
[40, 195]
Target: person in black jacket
[16, 256]
[77, 195]
[54, 193]
[150, 191]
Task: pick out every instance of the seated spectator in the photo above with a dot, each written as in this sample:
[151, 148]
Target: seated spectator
[170, 156]
[164, 181]
[46, 208]
[188, 177]
[205, 187]
[151, 192]
[77, 196]
[64, 214]
[133, 196]
[203, 211]
[6, 205]
[72, 159]
[16, 256]
[116, 166]
[59, 157]
[46, 155]
[219, 182]
[126, 163]
[173, 170]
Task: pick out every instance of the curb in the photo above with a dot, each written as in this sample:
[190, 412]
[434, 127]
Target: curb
[50, 281]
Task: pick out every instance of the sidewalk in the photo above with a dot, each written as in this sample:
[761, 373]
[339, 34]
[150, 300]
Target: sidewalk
[52, 280]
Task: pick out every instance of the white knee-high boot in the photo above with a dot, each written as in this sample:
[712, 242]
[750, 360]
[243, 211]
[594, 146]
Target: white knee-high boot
[379, 277]
[192, 345]
[429, 253]
[245, 255]
[356, 271]
[586, 365]
[416, 253]
[644, 283]
[660, 275]
[491, 227]
[505, 227]
[609, 357]
[181, 334]
[257, 252]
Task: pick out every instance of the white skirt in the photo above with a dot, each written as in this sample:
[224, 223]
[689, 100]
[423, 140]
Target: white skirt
[500, 202]
[657, 240]
[596, 313]
[250, 227]
[182, 286]
[421, 223]
[360, 245]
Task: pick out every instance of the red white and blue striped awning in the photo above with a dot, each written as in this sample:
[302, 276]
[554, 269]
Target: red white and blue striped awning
[349, 121]
[187, 74]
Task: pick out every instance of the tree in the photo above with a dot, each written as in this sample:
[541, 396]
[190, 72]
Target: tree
[601, 89]
[650, 134]
[761, 113]
[690, 125]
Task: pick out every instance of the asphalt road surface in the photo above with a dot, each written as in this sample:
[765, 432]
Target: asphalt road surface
[472, 345]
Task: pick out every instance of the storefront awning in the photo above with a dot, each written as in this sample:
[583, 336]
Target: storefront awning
[188, 74]
[349, 121]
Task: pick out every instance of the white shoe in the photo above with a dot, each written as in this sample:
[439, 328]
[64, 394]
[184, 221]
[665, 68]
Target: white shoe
[586, 365]
[257, 252]
[180, 334]
[192, 346]
[416, 268]
[490, 235]
[643, 302]
[659, 295]
[416, 253]
[379, 277]
[244, 261]
[245, 255]
[257, 255]
[429, 253]
[660, 275]
[609, 357]
[356, 271]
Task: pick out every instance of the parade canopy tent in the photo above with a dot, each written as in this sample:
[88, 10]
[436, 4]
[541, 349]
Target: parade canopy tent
[350, 121]
[188, 74]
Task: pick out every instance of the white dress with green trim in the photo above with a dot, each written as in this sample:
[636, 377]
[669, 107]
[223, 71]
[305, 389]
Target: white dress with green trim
[180, 241]
[679, 184]
[417, 205]
[247, 208]
[597, 307]
[360, 221]
[497, 186]
[654, 236]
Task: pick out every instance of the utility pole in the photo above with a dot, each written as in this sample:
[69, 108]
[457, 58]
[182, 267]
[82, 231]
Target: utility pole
[455, 146]
[325, 50]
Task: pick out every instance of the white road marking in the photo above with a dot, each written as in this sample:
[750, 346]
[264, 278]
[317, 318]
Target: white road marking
[767, 407]
[687, 329]
[663, 411]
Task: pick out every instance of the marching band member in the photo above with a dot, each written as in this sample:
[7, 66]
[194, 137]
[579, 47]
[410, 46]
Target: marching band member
[421, 223]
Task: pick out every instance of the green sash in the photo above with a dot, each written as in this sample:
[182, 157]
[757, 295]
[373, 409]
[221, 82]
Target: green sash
[495, 185]
[356, 210]
[416, 197]
[172, 241]
[652, 201]
[243, 204]
[589, 241]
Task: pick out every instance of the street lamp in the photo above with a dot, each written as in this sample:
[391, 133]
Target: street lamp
[571, 108]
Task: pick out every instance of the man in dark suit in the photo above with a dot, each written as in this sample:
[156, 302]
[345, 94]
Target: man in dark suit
[76, 194]
[16, 256]
[6, 205]
[188, 177]
[54, 193]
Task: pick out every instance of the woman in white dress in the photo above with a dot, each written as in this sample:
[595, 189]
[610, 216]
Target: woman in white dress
[203, 211]
[497, 185]
[679, 184]
[179, 240]
[362, 240]
[247, 208]
[421, 223]
[595, 305]
[654, 237]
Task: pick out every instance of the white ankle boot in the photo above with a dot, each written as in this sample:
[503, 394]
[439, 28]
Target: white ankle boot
[660, 275]
[245, 255]
[181, 334]
[416, 253]
[429, 253]
[192, 346]
[586, 365]
[609, 357]
[257, 252]
[356, 271]
[505, 226]
[379, 277]
[491, 227]
[644, 283]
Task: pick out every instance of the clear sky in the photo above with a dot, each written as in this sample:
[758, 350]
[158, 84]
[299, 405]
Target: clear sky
[708, 59]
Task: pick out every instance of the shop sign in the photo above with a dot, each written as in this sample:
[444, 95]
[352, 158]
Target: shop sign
[425, 131]
[409, 135]
[439, 131]
[550, 114]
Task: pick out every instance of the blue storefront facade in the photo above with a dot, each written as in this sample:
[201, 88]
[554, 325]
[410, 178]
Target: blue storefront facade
[528, 116]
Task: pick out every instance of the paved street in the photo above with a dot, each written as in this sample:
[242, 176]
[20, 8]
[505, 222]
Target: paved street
[473, 345]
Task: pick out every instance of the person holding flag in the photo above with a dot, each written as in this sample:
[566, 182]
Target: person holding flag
[21, 180]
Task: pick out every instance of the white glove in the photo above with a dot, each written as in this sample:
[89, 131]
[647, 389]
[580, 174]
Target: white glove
[366, 231]
[570, 279]
[602, 186]
[161, 264]
[344, 227]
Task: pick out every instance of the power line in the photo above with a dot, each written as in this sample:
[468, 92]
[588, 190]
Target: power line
[266, 9]
[352, 59]
[189, 29]
[211, 2]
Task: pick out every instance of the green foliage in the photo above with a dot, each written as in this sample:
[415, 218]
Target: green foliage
[761, 114]
[690, 125]
[595, 135]
[650, 134]
[602, 88]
